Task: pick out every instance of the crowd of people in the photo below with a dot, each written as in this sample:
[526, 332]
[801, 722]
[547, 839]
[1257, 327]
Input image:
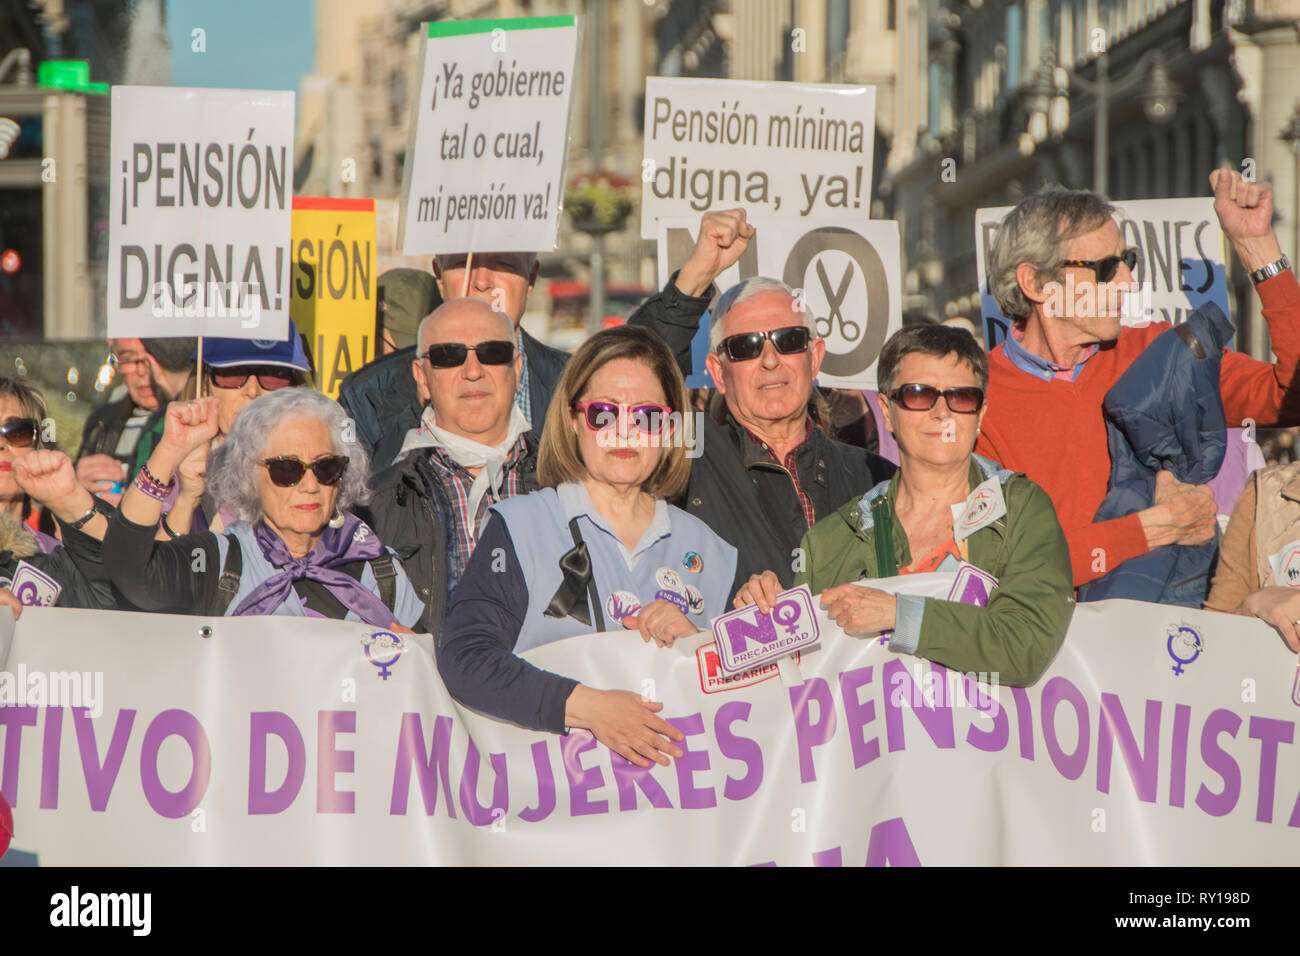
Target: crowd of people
[476, 485]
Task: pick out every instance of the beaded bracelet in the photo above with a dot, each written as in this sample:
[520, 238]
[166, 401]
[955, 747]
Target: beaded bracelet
[151, 486]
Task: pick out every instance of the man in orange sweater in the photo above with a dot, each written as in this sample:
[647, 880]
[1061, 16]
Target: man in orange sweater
[1048, 379]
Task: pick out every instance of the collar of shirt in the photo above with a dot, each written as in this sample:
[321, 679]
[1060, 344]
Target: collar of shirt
[1038, 367]
[577, 502]
[522, 397]
[759, 450]
[439, 458]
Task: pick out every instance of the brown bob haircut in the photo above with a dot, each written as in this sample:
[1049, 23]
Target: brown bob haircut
[559, 460]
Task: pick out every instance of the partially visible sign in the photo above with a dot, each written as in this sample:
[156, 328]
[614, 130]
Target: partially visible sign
[334, 279]
[485, 167]
[1180, 265]
[199, 225]
[746, 638]
[848, 281]
[794, 151]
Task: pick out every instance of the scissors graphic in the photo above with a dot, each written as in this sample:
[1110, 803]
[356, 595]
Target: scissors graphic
[850, 331]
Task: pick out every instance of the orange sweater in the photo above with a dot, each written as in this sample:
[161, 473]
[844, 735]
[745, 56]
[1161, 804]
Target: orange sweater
[1055, 432]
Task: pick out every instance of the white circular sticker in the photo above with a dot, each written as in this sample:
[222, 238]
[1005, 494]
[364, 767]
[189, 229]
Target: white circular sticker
[670, 580]
[695, 599]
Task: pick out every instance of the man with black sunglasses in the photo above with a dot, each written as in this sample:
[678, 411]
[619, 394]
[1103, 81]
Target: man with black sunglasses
[1048, 379]
[472, 448]
[767, 473]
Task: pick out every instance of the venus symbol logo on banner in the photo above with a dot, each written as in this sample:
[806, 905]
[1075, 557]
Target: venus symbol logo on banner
[387, 650]
[1184, 645]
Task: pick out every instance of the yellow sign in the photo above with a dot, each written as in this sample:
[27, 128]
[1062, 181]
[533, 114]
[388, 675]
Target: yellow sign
[334, 290]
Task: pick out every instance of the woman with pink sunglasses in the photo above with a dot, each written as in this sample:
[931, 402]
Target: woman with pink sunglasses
[598, 548]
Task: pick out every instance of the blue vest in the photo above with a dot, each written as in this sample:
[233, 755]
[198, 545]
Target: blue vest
[698, 561]
[257, 569]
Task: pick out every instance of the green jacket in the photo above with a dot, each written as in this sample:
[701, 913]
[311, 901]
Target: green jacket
[1018, 633]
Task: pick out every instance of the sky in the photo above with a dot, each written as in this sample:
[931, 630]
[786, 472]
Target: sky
[250, 44]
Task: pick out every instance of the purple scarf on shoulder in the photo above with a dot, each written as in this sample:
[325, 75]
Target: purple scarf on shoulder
[337, 546]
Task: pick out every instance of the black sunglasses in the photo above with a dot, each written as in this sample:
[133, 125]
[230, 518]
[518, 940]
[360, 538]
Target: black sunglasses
[749, 345]
[1105, 269]
[20, 432]
[269, 377]
[287, 471]
[965, 400]
[454, 354]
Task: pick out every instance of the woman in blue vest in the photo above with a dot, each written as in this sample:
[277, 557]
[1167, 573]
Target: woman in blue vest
[294, 549]
[597, 548]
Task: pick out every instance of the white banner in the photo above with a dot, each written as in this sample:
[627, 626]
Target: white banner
[490, 137]
[849, 279]
[1180, 266]
[202, 182]
[782, 150]
[1158, 736]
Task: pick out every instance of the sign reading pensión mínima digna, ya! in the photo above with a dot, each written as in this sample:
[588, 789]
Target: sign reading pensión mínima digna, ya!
[201, 184]
[485, 168]
[781, 150]
[848, 280]
[747, 638]
[1180, 266]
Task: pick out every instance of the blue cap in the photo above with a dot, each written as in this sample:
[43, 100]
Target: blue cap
[225, 353]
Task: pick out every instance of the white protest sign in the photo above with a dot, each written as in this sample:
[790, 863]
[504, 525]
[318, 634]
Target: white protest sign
[781, 150]
[485, 168]
[849, 280]
[1180, 265]
[202, 182]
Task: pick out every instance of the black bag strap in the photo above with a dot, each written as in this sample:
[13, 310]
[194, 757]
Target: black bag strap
[882, 517]
[228, 584]
[386, 577]
[592, 593]
[575, 565]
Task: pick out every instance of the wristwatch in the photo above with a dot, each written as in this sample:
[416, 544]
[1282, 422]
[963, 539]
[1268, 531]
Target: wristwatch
[1270, 270]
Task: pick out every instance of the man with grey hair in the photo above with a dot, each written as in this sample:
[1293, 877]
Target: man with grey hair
[767, 473]
[1059, 269]
[472, 448]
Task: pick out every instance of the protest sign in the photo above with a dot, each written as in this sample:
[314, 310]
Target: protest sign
[798, 151]
[1159, 735]
[333, 301]
[1180, 266]
[485, 168]
[199, 228]
[848, 279]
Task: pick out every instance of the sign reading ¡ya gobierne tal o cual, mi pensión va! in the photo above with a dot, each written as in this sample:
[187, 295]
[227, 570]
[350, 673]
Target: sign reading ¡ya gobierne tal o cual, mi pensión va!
[485, 168]
[201, 184]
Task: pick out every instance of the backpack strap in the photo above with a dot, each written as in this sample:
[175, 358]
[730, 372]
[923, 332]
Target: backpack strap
[228, 584]
[386, 577]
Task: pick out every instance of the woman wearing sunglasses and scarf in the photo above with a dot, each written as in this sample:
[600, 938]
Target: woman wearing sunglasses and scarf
[288, 475]
[596, 549]
[945, 507]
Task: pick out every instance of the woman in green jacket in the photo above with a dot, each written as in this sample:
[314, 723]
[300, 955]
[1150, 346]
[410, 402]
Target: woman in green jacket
[945, 506]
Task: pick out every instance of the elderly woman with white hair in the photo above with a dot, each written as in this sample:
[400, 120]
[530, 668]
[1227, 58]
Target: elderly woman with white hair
[289, 475]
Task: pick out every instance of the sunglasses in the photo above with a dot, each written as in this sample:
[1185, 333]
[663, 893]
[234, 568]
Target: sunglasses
[454, 354]
[965, 400]
[287, 471]
[649, 419]
[20, 432]
[269, 377]
[1105, 269]
[749, 345]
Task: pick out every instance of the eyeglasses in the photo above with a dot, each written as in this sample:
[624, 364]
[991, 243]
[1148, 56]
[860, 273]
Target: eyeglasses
[749, 345]
[125, 363]
[269, 377]
[965, 400]
[649, 419]
[20, 432]
[287, 471]
[1105, 269]
[454, 354]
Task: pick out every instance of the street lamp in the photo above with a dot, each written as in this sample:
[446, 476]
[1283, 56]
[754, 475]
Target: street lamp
[1159, 102]
[1291, 136]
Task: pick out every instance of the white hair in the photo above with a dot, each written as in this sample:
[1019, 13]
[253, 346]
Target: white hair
[747, 289]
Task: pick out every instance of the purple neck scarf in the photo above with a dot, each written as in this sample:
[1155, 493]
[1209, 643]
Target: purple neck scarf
[337, 546]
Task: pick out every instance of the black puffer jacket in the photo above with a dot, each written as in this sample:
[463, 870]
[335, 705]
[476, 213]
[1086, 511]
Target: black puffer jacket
[736, 488]
[411, 512]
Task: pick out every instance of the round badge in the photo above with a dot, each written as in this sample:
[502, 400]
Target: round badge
[673, 598]
[695, 599]
[692, 561]
[620, 604]
[669, 580]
